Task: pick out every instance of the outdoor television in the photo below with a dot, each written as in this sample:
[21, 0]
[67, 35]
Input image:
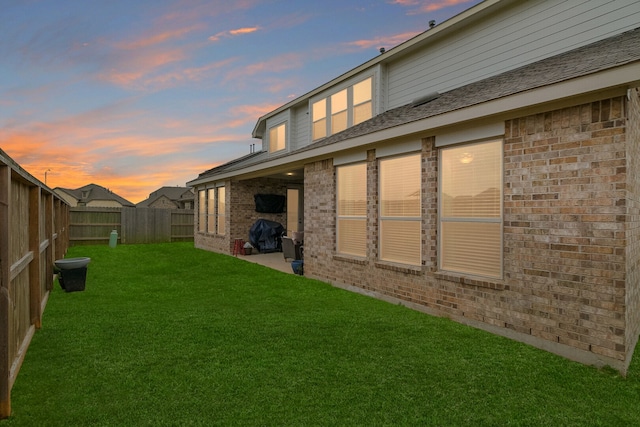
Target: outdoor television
[269, 203]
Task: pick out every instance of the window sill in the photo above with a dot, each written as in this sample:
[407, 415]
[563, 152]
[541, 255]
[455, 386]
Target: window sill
[351, 259]
[400, 268]
[480, 282]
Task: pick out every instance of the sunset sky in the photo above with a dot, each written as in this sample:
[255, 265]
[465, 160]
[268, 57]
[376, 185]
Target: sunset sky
[135, 95]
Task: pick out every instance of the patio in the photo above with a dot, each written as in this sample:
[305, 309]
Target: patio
[274, 260]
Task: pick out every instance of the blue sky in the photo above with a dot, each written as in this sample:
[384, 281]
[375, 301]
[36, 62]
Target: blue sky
[135, 95]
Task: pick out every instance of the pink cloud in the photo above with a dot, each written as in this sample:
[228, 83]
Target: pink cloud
[425, 6]
[154, 38]
[384, 41]
[233, 33]
[277, 64]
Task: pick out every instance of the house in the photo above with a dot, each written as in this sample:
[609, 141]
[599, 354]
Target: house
[169, 198]
[92, 195]
[486, 170]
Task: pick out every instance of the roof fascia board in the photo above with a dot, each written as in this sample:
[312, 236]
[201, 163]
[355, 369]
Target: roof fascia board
[395, 51]
[615, 81]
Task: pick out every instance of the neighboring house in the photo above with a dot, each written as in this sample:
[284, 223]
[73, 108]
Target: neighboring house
[169, 198]
[92, 195]
[487, 170]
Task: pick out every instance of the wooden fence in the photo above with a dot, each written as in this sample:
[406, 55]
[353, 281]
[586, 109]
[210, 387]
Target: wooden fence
[34, 224]
[93, 226]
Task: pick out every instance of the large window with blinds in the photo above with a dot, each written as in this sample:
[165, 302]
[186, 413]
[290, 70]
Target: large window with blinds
[400, 206]
[471, 209]
[211, 210]
[220, 211]
[202, 211]
[351, 202]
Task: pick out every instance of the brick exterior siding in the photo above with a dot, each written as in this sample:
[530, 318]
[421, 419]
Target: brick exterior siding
[241, 213]
[571, 236]
[632, 329]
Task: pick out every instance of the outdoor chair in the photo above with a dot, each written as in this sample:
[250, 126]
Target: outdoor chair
[291, 250]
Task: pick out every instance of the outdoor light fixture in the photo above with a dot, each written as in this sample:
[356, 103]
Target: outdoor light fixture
[466, 158]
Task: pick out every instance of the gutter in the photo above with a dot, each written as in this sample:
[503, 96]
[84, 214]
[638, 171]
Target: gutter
[611, 82]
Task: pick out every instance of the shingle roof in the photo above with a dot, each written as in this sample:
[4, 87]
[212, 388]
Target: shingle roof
[171, 193]
[92, 192]
[602, 55]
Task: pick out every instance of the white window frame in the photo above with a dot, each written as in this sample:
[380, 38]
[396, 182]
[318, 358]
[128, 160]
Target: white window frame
[346, 217]
[442, 219]
[285, 135]
[413, 218]
[211, 211]
[326, 98]
[202, 210]
[221, 214]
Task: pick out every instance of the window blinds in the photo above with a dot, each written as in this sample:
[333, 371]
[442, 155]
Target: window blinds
[471, 209]
[352, 209]
[400, 206]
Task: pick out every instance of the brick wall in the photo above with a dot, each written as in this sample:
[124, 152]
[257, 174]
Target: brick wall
[565, 177]
[241, 212]
[565, 253]
[633, 221]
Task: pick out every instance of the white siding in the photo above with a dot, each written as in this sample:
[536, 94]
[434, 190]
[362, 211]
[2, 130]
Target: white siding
[300, 128]
[514, 36]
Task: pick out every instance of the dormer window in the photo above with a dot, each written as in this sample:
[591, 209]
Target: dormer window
[278, 138]
[342, 109]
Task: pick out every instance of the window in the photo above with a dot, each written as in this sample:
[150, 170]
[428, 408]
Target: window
[339, 111]
[277, 138]
[471, 209]
[352, 209]
[220, 211]
[202, 209]
[319, 112]
[211, 211]
[343, 109]
[400, 206]
[362, 101]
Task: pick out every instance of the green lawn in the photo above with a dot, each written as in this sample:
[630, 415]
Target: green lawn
[171, 335]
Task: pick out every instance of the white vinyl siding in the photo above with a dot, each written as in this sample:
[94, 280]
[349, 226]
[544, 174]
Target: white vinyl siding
[522, 33]
[400, 207]
[352, 209]
[471, 209]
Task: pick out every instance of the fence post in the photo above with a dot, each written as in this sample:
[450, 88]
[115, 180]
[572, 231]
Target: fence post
[34, 266]
[5, 363]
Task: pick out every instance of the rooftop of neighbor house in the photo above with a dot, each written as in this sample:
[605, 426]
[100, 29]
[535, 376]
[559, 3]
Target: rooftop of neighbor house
[92, 192]
[172, 193]
[606, 54]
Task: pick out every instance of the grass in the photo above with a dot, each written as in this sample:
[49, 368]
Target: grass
[168, 335]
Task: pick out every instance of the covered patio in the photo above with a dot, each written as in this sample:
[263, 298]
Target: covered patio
[274, 260]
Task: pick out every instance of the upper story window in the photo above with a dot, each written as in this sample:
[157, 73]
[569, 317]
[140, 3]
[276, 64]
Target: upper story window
[278, 137]
[343, 109]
